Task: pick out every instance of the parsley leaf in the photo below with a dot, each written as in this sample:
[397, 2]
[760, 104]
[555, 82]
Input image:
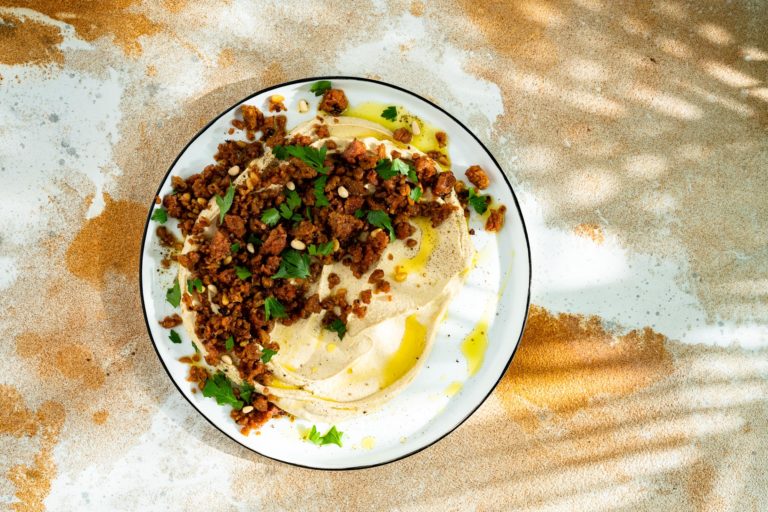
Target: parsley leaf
[293, 264]
[415, 194]
[270, 217]
[321, 249]
[313, 157]
[400, 166]
[242, 272]
[174, 337]
[229, 343]
[380, 219]
[478, 202]
[253, 239]
[338, 327]
[234, 247]
[220, 388]
[273, 309]
[320, 87]
[359, 213]
[320, 198]
[225, 203]
[160, 215]
[333, 436]
[387, 169]
[266, 355]
[246, 390]
[293, 199]
[195, 284]
[285, 211]
[390, 113]
[384, 169]
[173, 295]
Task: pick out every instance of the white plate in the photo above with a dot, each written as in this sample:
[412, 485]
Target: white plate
[497, 289]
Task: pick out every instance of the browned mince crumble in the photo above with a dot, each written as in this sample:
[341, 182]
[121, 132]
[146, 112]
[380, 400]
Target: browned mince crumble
[352, 185]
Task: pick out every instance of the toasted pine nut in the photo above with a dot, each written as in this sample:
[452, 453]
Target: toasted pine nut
[290, 185]
[246, 409]
[370, 187]
[336, 245]
[298, 245]
[234, 170]
[224, 300]
[250, 248]
[212, 288]
[343, 192]
[226, 359]
[228, 260]
[415, 128]
[303, 106]
[276, 98]
[201, 201]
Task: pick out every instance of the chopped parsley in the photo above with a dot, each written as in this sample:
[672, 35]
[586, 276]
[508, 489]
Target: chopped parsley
[225, 203]
[380, 219]
[389, 113]
[266, 355]
[321, 249]
[160, 215]
[195, 285]
[319, 188]
[293, 199]
[273, 309]
[229, 343]
[253, 239]
[246, 390]
[293, 264]
[415, 194]
[270, 217]
[478, 202]
[234, 247]
[174, 337]
[320, 87]
[384, 169]
[338, 327]
[220, 388]
[242, 272]
[287, 213]
[173, 295]
[387, 169]
[313, 157]
[359, 213]
[333, 436]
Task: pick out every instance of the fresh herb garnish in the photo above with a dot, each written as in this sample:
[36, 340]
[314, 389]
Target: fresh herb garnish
[313, 157]
[384, 169]
[380, 219]
[359, 213]
[225, 203]
[333, 436]
[234, 247]
[246, 390]
[321, 249]
[242, 272]
[254, 240]
[173, 295]
[160, 215]
[293, 264]
[270, 217]
[338, 327]
[320, 87]
[195, 284]
[174, 336]
[390, 113]
[478, 202]
[229, 343]
[220, 388]
[273, 309]
[319, 188]
[266, 355]
[293, 199]
[387, 169]
[415, 194]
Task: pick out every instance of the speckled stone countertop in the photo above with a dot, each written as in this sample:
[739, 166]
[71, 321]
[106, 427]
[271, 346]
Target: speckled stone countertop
[635, 134]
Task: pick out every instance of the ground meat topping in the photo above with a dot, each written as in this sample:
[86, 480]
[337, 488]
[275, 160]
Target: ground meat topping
[334, 102]
[403, 135]
[495, 219]
[171, 321]
[477, 176]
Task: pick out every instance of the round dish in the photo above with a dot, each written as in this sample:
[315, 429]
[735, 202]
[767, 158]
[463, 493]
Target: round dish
[474, 344]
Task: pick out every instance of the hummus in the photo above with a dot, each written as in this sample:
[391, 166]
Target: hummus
[316, 375]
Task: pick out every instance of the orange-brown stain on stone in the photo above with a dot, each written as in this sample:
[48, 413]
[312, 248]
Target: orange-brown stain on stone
[592, 231]
[15, 418]
[417, 8]
[116, 19]
[226, 58]
[564, 361]
[33, 480]
[26, 41]
[73, 361]
[109, 242]
[175, 6]
[100, 417]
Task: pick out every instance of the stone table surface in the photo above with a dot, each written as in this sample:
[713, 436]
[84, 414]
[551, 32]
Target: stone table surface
[635, 134]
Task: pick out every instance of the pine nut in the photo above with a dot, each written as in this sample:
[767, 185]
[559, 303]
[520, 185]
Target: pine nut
[234, 170]
[201, 201]
[343, 192]
[226, 359]
[224, 300]
[228, 260]
[370, 187]
[298, 245]
[246, 409]
[212, 288]
[415, 128]
[290, 185]
[336, 245]
[276, 98]
[250, 248]
[303, 106]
